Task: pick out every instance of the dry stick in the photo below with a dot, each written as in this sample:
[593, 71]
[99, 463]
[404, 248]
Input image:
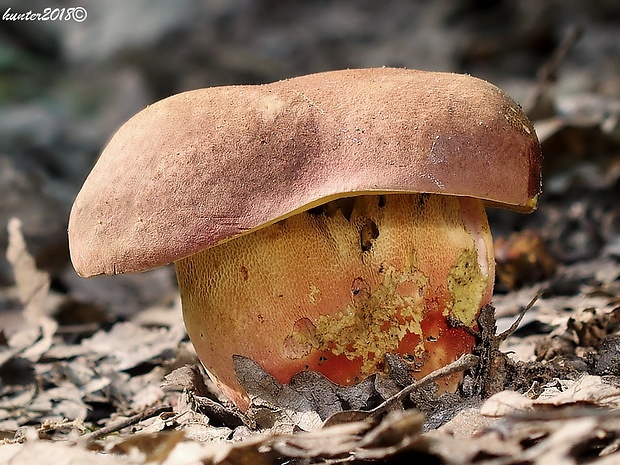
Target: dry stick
[513, 327]
[547, 72]
[121, 424]
[465, 362]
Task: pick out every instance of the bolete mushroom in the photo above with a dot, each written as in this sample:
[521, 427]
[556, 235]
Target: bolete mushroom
[316, 223]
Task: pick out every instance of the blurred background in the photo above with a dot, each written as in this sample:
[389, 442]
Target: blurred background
[66, 86]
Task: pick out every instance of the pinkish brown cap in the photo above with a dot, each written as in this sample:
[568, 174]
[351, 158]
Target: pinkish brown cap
[205, 166]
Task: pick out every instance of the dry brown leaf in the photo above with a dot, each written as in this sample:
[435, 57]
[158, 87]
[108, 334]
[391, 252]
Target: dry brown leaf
[459, 450]
[274, 405]
[505, 403]
[197, 400]
[32, 284]
[153, 447]
[21, 399]
[466, 423]
[600, 391]
[54, 453]
[192, 452]
[68, 400]
[585, 437]
[33, 287]
[128, 345]
[558, 448]
[399, 431]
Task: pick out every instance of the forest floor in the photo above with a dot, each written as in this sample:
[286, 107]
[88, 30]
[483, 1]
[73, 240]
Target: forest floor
[101, 371]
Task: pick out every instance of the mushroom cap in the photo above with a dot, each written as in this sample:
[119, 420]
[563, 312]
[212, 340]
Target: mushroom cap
[204, 166]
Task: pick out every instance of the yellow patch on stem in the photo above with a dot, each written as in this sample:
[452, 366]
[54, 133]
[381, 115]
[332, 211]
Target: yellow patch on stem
[371, 323]
[466, 285]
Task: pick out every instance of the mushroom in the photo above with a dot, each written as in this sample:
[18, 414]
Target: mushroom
[315, 223]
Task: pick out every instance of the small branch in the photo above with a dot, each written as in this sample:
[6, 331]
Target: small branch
[513, 327]
[464, 362]
[546, 74]
[124, 423]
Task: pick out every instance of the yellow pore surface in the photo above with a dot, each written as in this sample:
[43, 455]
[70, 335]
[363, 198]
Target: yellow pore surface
[336, 288]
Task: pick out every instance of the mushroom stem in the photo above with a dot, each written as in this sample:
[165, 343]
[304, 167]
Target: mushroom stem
[336, 288]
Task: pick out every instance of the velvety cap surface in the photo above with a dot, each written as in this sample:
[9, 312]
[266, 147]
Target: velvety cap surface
[205, 166]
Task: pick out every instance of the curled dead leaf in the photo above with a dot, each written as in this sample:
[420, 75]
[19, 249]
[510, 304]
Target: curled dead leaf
[33, 287]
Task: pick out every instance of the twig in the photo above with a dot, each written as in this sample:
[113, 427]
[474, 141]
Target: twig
[546, 74]
[124, 423]
[464, 362]
[513, 327]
